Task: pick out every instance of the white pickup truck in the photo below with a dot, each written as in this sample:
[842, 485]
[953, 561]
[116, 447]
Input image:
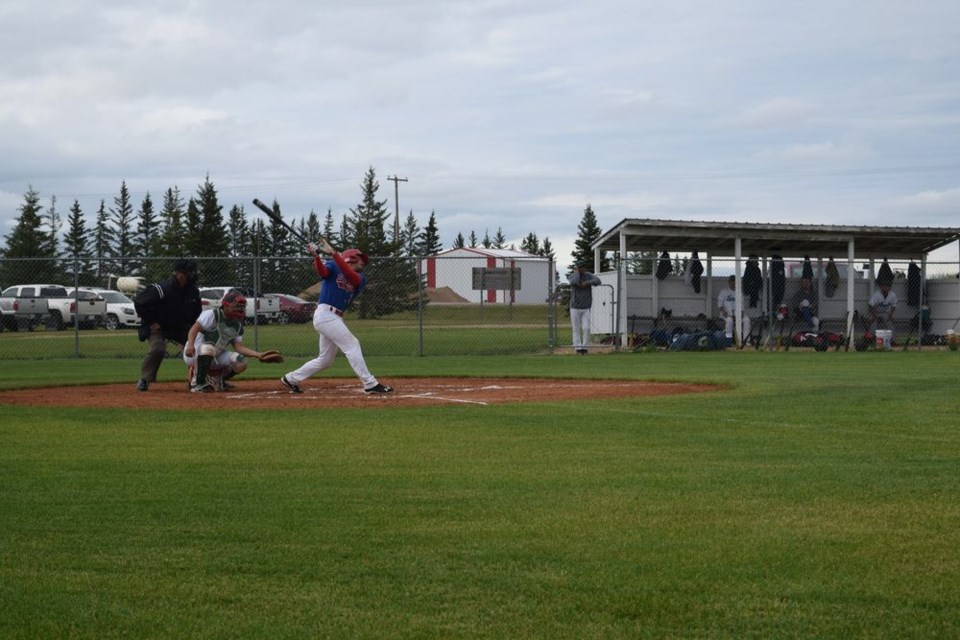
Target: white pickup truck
[266, 308]
[52, 305]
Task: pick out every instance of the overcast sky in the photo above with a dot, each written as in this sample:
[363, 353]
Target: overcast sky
[500, 113]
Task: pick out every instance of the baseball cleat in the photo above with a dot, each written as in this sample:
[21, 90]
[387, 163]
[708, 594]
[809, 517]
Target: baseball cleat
[143, 385]
[205, 387]
[294, 388]
[379, 388]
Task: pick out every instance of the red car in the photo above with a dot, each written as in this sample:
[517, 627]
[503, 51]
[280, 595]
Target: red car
[294, 309]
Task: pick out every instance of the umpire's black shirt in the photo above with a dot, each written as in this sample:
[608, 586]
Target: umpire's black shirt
[173, 307]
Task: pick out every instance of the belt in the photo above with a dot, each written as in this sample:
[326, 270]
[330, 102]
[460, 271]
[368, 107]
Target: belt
[330, 307]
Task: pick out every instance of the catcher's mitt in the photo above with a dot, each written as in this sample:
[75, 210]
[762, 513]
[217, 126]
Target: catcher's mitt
[272, 355]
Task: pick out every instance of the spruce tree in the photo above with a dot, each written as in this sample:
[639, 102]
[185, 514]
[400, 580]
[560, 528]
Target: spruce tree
[410, 236]
[103, 244]
[147, 239]
[473, 239]
[391, 281]
[212, 236]
[29, 240]
[531, 244]
[499, 240]
[121, 215]
[459, 242]
[76, 244]
[588, 231]
[430, 238]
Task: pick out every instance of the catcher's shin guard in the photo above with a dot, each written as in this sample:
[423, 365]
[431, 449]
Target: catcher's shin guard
[203, 367]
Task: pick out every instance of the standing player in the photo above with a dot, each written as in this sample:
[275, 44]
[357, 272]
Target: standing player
[727, 308]
[581, 300]
[166, 310]
[341, 279]
[207, 342]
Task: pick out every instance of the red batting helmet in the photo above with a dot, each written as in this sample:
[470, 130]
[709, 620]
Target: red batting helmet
[353, 256]
[234, 305]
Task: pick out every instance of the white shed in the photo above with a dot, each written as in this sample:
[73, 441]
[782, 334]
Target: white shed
[491, 276]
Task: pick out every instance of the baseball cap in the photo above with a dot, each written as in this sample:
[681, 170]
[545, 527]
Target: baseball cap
[185, 265]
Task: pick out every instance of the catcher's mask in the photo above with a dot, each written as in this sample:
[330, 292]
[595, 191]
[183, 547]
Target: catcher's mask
[234, 305]
[353, 256]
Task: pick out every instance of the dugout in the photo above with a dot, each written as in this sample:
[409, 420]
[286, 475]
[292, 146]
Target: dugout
[733, 243]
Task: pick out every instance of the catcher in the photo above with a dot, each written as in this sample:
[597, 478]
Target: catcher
[211, 365]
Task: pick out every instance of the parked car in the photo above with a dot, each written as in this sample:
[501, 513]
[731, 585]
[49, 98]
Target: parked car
[52, 305]
[120, 310]
[294, 309]
[266, 308]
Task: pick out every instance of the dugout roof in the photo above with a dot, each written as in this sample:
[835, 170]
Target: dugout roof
[718, 238]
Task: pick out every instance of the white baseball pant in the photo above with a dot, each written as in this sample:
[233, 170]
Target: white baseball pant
[334, 335]
[580, 319]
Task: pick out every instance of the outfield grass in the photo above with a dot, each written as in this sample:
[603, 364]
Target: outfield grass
[815, 498]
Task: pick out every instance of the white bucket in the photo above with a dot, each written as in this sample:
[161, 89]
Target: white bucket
[884, 338]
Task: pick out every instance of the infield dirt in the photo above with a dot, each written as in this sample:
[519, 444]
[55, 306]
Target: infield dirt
[347, 393]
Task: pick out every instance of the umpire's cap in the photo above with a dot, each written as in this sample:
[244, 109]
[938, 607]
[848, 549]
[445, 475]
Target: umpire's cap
[185, 265]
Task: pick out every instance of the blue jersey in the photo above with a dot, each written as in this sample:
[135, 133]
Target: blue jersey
[335, 288]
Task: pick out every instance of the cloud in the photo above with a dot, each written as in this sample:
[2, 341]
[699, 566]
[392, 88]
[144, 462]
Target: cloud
[778, 112]
[818, 152]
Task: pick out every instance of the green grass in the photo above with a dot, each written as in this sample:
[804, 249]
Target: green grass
[817, 497]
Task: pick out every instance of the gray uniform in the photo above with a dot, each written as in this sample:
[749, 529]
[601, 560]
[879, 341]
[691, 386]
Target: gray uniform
[581, 299]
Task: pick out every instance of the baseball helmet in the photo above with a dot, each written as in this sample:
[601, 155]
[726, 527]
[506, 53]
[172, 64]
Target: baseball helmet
[234, 305]
[353, 256]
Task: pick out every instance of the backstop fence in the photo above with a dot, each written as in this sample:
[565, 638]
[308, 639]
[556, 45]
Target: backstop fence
[440, 305]
[410, 306]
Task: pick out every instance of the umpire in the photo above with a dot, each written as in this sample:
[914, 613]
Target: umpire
[167, 310]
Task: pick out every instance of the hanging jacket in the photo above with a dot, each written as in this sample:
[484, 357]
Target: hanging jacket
[833, 278]
[752, 281]
[807, 268]
[885, 274]
[913, 285]
[696, 271]
[778, 281]
[664, 267]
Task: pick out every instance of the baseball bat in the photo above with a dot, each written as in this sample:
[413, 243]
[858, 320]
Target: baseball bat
[276, 218]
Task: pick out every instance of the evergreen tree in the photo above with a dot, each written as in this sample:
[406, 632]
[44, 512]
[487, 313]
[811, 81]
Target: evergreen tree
[193, 241]
[28, 239]
[76, 244]
[274, 270]
[499, 240]
[531, 244]
[147, 239]
[121, 215]
[369, 220]
[430, 238]
[103, 244]
[238, 233]
[487, 242]
[212, 236]
[587, 233]
[459, 242]
[53, 223]
[410, 235]
[328, 231]
[171, 237]
[392, 281]
[546, 250]
[473, 239]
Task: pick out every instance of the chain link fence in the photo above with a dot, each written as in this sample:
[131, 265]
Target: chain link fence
[411, 306]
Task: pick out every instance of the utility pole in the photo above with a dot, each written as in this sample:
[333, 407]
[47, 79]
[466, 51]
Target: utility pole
[396, 202]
